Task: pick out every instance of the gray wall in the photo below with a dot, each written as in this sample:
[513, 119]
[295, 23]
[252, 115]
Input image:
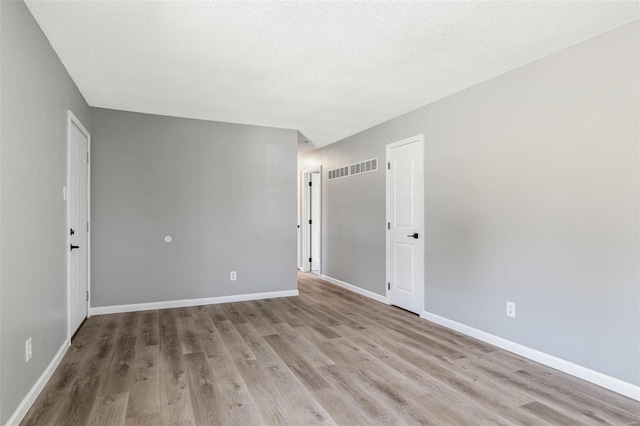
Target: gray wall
[226, 193]
[531, 195]
[36, 94]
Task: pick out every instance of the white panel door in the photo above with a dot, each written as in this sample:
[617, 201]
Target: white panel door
[299, 207]
[77, 221]
[405, 209]
[315, 221]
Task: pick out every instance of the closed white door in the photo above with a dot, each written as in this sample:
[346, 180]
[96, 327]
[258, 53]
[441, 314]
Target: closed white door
[299, 207]
[405, 212]
[77, 224]
[315, 221]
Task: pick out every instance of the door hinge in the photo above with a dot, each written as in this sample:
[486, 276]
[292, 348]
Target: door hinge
[87, 296]
[388, 286]
[309, 221]
[389, 165]
[388, 225]
[309, 260]
[310, 184]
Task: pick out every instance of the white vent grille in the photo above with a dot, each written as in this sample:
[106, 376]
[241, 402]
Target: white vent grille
[364, 167]
[354, 169]
[338, 173]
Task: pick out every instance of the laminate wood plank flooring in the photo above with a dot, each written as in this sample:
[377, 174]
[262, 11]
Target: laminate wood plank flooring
[329, 356]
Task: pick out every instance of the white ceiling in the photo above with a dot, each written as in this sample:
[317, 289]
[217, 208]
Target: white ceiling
[328, 69]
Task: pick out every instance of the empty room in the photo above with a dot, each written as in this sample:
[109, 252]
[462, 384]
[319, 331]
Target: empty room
[319, 212]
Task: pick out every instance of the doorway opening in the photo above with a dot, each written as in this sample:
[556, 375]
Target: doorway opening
[311, 212]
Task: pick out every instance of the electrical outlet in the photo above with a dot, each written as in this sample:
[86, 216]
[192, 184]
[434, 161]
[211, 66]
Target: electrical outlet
[27, 350]
[511, 309]
[233, 276]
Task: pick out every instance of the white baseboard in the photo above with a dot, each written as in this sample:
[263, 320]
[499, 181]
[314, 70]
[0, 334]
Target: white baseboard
[600, 379]
[102, 310]
[360, 291]
[34, 392]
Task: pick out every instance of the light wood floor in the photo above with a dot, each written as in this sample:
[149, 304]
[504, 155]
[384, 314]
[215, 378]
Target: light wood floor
[328, 356]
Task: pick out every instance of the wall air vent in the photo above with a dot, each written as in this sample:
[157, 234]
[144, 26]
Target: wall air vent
[354, 169]
[338, 173]
[364, 167]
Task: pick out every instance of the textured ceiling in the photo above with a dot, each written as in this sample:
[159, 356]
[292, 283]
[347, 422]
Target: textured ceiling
[328, 69]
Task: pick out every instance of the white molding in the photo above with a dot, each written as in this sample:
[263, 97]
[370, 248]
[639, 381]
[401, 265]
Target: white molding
[600, 379]
[30, 398]
[366, 293]
[102, 310]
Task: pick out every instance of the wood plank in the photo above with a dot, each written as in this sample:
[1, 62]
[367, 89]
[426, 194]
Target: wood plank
[98, 357]
[312, 353]
[233, 312]
[260, 348]
[548, 414]
[149, 329]
[280, 397]
[206, 401]
[285, 311]
[217, 314]
[189, 335]
[257, 320]
[233, 391]
[259, 386]
[343, 384]
[78, 404]
[268, 312]
[109, 410]
[340, 351]
[129, 324]
[175, 405]
[234, 342]
[212, 344]
[341, 318]
[167, 322]
[144, 395]
[118, 379]
[296, 362]
[145, 420]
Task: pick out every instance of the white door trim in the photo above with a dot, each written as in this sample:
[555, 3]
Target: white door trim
[306, 200]
[73, 120]
[420, 139]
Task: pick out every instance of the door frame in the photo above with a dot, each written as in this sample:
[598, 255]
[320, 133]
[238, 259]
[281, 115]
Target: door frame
[299, 221]
[72, 120]
[420, 140]
[305, 176]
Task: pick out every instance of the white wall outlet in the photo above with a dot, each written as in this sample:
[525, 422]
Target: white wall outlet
[27, 350]
[233, 276]
[511, 309]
